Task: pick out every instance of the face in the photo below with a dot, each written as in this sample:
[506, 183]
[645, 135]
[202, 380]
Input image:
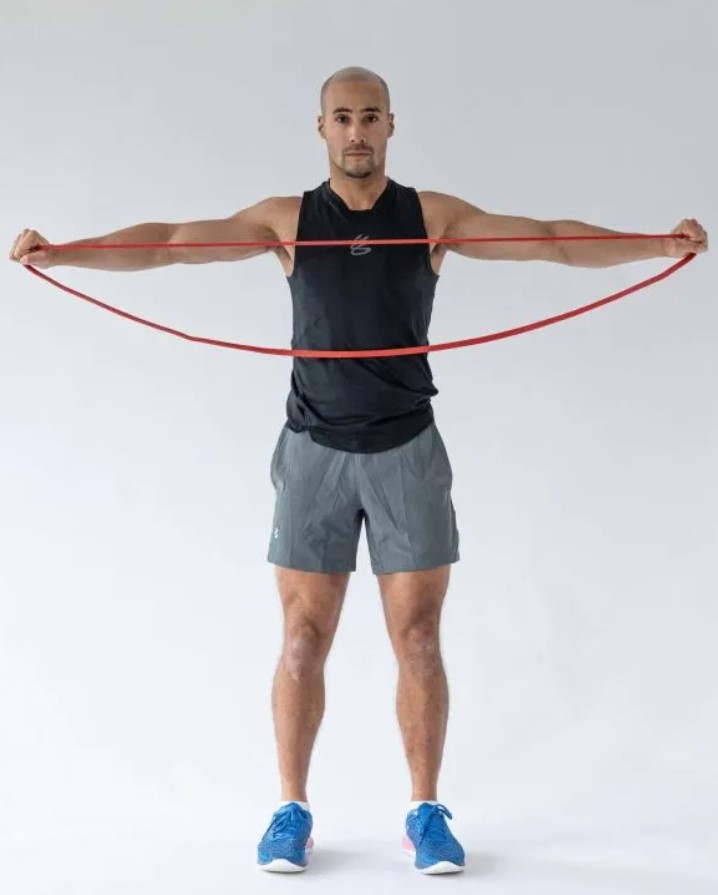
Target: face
[356, 126]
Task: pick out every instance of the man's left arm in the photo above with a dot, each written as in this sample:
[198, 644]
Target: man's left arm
[463, 220]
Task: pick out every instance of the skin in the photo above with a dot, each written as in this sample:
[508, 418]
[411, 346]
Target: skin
[312, 602]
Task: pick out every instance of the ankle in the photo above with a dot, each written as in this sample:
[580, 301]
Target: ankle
[303, 803]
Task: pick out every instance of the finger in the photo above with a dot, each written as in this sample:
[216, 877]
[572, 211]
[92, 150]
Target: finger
[695, 229]
[30, 243]
[16, 243]
[692, 232]
[24, 242]
[32, 257]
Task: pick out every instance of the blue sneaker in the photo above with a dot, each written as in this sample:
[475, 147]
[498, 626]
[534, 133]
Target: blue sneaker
[430, 842]
[287, 842]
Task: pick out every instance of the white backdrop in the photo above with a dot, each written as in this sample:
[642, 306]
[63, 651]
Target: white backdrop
[139, 621]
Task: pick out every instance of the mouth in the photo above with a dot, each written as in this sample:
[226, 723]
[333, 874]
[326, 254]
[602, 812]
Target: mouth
[358, 154]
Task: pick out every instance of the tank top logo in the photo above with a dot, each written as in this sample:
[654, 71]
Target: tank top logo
[358, 247]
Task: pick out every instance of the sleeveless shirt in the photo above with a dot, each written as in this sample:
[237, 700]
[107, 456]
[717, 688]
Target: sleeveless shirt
[361, 297]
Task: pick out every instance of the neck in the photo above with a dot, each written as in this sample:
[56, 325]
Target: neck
[359, 194]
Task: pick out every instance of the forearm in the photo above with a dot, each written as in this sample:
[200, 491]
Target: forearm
[601, 252]
[122, 259]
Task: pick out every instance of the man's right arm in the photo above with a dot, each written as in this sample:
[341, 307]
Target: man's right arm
[254, 224]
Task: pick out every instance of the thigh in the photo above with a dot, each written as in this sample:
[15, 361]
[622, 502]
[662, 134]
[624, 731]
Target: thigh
[317, 516]
[311, 599]
[410, 516]
[413, 599]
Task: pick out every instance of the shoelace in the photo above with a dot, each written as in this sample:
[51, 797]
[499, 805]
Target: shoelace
[285, 817]
[428, 816]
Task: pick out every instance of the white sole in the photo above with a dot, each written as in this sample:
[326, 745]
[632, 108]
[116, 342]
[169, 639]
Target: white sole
[282, 865]
[435, 869]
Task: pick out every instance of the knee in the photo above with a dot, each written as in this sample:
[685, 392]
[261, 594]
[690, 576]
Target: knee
[305, 649]
[417, 644]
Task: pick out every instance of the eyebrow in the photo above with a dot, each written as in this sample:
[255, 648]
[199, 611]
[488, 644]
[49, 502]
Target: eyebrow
[365, 109]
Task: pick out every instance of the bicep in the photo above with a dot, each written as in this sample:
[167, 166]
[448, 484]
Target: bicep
[252, 224]
[466, 221]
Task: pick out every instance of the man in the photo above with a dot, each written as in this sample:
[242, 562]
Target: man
[360, 443]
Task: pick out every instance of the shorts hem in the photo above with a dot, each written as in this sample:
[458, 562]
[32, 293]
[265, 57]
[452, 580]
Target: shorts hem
[416, 567]
[309, 567]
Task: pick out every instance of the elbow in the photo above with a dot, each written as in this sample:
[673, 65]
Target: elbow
[175, 253]
[555, 249]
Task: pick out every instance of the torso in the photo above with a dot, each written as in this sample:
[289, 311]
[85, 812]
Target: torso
[286, 223]
[355, 300]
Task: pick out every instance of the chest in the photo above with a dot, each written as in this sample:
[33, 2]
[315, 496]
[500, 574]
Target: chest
[434, 223]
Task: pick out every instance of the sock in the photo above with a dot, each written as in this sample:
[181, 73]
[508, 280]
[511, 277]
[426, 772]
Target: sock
[414, 805]
[304, 805]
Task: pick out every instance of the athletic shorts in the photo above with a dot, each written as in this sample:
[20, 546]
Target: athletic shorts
[323, 496]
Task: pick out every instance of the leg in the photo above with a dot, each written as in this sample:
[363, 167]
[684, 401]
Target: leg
[312, 604]
[412, 604]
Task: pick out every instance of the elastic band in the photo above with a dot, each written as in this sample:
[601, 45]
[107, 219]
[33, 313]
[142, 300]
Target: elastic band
[383, 352]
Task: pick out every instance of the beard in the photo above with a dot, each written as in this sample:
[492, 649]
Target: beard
[359, 169]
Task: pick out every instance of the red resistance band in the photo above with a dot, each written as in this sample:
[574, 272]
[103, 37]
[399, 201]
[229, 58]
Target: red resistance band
[384, 352]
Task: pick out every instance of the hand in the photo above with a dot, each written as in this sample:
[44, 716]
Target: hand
[698, 241]
[27, 249]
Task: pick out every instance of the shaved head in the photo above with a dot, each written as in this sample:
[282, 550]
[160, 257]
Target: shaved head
[355, 123]
[354, 73]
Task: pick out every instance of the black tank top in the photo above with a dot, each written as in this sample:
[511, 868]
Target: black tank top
[361, 297]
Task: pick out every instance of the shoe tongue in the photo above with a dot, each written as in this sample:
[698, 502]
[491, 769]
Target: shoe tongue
[437, 808]
[433, 814]
[285, 816]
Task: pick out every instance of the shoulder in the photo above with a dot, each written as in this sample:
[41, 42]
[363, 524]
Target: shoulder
[434, 209]
[277, 214]
[443, 202]
[270, 209]
[276, 206]
[450, 212]
[441, 210]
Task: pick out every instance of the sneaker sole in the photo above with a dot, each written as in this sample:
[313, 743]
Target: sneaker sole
[435, 869]
[282, 865]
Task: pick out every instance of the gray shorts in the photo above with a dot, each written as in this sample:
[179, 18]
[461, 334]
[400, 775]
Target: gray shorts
[323, 495]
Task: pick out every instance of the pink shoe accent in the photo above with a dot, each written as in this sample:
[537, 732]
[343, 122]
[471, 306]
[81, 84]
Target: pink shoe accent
[310, 844]
[408, 845]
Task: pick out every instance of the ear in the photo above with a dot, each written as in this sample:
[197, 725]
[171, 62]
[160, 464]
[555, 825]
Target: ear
[391, 124]
[320, 125]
